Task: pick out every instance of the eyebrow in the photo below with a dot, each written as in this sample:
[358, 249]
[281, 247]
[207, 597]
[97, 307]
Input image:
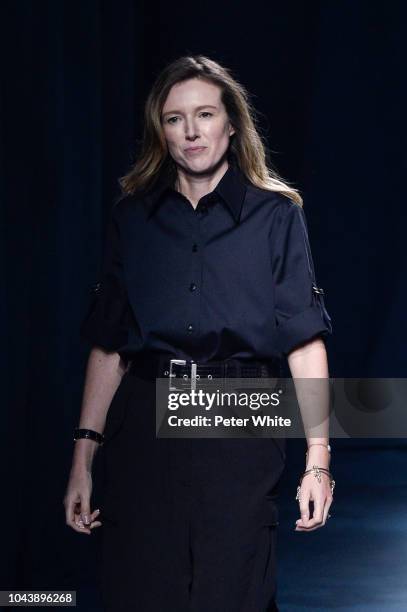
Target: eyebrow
[173, 112]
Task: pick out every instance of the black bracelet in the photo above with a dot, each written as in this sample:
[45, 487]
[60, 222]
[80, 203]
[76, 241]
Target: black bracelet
[91, 434]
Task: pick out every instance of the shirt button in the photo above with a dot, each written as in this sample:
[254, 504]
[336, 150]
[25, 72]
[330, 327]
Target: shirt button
[190, 328]
[194, 248]
[192, 287]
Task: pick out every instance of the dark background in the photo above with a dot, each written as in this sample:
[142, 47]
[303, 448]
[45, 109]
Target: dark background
[327, 79]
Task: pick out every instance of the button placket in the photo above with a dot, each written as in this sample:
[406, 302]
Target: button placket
[194, 285]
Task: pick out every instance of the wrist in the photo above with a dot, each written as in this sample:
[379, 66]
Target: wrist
[317, 455]
[84, 452]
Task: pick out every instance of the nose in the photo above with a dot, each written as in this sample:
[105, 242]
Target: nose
[191, 130]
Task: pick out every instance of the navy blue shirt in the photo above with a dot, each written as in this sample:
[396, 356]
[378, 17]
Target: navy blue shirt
[232, 278]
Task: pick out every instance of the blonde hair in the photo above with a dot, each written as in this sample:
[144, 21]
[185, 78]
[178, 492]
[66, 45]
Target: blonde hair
[246, 145]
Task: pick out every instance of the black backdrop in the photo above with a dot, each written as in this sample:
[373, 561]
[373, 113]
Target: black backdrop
[327, 79]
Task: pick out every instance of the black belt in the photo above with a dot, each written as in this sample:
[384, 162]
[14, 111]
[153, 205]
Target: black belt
[160, 365]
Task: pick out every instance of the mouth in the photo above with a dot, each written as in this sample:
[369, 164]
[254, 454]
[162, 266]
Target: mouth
[194, 149]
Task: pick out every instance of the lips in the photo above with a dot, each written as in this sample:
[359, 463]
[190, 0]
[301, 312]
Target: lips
[192, 149]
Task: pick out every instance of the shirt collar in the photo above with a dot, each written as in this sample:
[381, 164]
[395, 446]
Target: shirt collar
[231, 188]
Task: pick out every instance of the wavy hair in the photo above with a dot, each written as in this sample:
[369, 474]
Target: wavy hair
[246, 144]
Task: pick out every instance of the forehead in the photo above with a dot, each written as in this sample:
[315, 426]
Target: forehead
[193, 92]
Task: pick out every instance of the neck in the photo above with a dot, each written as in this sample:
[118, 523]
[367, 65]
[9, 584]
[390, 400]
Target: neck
[194, 186]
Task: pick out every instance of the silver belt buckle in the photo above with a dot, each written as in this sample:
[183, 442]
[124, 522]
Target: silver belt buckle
[173, 375]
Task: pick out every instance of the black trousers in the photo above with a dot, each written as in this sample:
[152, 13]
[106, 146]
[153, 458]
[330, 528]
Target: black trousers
[188, 525]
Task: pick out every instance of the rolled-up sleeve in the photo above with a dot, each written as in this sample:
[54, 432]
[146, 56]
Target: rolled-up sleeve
[109, 317]
[299, 303]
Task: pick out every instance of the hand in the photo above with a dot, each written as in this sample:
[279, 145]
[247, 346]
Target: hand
[77, 503]
[320, 494]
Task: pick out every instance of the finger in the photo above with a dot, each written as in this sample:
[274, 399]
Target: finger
[326, 509]
[77, 525]
[310, 526]
[95, 524]
[93, 517]
[304, 509]
[70, 508]
[73, 517]
[317, 519]
[304, 526]
[85, 510]
[82, 527]
[317, 515]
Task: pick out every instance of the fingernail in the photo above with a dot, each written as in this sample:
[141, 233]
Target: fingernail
[86, 519]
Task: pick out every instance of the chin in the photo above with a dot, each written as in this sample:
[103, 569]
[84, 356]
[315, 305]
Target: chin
[203, 166]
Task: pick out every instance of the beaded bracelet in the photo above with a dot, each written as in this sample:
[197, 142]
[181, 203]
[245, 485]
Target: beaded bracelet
[91, 434]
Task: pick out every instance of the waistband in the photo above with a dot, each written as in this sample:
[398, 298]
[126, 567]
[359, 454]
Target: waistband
[160, 365]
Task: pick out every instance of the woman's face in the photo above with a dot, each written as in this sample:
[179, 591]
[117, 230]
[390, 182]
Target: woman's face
[196, 125]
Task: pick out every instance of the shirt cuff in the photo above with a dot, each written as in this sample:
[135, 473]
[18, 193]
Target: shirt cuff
[302, 327]
[107, 335]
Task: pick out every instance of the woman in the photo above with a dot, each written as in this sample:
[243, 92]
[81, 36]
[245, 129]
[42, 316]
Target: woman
[207, 262]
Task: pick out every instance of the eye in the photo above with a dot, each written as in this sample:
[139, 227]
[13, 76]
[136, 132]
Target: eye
[170, 119]
[207, 113]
